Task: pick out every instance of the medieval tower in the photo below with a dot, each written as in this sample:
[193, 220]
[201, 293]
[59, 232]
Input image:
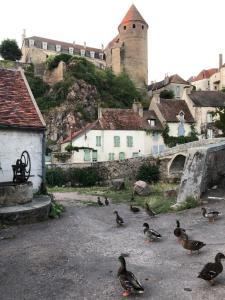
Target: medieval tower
[128, 51]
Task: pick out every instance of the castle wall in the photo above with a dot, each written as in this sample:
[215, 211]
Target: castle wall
[116, 61]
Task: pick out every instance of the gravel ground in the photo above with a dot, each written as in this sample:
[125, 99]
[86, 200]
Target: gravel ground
[75, 257]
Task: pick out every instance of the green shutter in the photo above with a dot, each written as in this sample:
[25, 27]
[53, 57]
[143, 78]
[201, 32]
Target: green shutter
[94, 156]
[98, 140]
[116, 141]
[87, 155]
[121, 155]
[129, 141]
[111, 156]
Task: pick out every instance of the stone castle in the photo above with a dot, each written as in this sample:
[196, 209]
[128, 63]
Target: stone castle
[127, 52]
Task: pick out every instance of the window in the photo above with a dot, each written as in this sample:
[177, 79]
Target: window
[181, 131]
[161, 148]
[58, 48]
[82, 52]
[98, 140]
[155, 136]
[142, 27]
[31, 43]
[116, 141]
[134, 25]
[209, 117]
[44, 45]
[151, 122]
[129, 141]
[124, 27]
[94, 155]
[71, 50]
[87, 155]
[121, 156]
[92, 54]
[135, 154]
[111, 156]
[155, 149]
[209, 133]
[177, 92]
[101, 56]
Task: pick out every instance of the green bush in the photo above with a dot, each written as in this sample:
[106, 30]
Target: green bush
[55, 177]
[9, 50]
[53, 61]
[148, 173]
[56, 209]
[167, 94]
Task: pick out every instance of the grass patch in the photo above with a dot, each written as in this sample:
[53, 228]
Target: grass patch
[190, 202]
[156, 199]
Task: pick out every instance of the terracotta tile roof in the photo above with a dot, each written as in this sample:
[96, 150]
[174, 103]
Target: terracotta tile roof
[204, 74]
[208, 98]
[170, 108]
[172, 79]
[17, 108]
[120, 119]
[63, 44]
[133, 15]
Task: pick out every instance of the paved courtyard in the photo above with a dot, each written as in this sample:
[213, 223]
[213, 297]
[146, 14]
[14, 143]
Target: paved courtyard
[75, 257]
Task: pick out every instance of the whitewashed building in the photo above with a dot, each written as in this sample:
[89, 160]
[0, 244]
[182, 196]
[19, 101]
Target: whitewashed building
[174, 113]
[21, 126]
[117, 134]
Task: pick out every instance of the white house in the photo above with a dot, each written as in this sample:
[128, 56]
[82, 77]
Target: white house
[202, 104]
[117, 134]
[174, 113]
[21, 126]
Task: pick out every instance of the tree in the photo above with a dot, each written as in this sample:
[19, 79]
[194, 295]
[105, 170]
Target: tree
[220, 122]
[9, 50]
[167, 94]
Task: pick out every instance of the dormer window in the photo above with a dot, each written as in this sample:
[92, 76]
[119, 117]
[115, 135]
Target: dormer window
[92, 54]
[71, 50]
[31, 43]
[44, 45]
[152, 122]
[82, 52]
[58, 48]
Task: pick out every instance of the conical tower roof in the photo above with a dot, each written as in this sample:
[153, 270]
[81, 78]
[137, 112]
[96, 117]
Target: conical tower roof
[132, 15]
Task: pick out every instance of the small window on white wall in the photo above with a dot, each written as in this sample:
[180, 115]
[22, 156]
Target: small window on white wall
[82, 52]
[209, 117]
[71, 50]
[44, 45]
[58, 48]
[92, 54]
[31, 43]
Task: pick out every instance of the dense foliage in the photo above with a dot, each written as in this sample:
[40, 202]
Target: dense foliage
[76, 177]
[167, 94]
[53, 61]
[220, 120]
[148, 172]
[9, 50]
[172, 141]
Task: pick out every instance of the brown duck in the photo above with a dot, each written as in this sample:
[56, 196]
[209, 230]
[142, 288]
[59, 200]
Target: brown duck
[191, 245]
[210, 215]
[211, 270]
[178, 231]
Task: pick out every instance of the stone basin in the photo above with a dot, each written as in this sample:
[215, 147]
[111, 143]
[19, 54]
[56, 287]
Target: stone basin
[12, 193]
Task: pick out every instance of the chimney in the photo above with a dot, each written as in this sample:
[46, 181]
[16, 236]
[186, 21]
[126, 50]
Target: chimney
[135, 106]
[99, 112]
[74, 43]
[220, 60]
[23, 35]
[84, 45]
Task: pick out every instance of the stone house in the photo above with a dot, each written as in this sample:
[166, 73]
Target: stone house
[174, 113]
[202, 104]
[37, 49]
[172, 83]
[21, 126]
[117, 134]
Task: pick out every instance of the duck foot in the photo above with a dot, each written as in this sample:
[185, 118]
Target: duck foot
[212, 282]
[125, 294]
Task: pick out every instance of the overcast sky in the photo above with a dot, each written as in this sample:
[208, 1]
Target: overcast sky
[184, 37]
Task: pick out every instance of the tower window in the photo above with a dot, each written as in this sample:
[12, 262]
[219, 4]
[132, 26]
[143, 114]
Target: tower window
[142, 27]
[134, 25]
[124, 27]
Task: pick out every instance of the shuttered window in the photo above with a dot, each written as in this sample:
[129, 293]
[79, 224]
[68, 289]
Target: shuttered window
[87, 155]
[129, 141]
[98, 140]
[94, 156]
[116, 141]
[111, 156]
[121, 155]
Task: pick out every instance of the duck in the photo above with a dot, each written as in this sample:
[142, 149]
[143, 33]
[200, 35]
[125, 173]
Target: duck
[178, 231]
[210, 215]
[211, 270]
[149, 211]
[128, 281]
[100, 202]
[191, 245]
[134, 209]
[150, 234]
[106, 201]
[119, 220]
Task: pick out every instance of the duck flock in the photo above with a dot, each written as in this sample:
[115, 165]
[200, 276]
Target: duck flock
[130, 283]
